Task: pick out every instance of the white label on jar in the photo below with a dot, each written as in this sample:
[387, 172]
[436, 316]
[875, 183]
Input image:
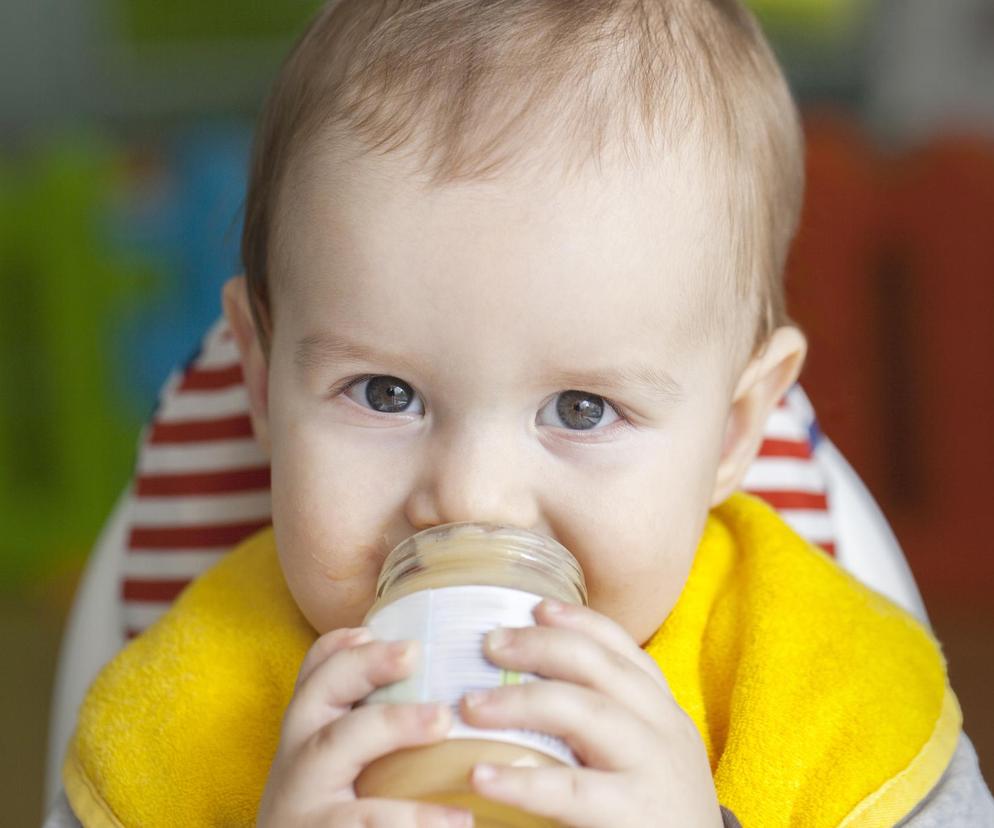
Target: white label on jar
[450, 623]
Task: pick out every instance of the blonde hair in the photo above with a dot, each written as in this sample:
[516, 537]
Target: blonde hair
[466, 83]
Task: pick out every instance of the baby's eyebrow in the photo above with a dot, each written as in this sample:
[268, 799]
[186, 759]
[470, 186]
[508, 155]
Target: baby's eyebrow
[648, 379]
[322, 349]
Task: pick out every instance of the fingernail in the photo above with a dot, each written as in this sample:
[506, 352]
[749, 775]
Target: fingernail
[477, 698]
[484, 773]
[499, 638]
[458, 819]
[552, 607]
[429, 714]
[360, 635]
[400, 649]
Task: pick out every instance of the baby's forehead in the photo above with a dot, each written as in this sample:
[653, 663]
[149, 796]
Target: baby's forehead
[476, 89]
[618, 205]
[607, 254]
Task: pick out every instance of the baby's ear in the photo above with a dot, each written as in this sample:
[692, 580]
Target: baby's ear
[255, 366]
[763, 382]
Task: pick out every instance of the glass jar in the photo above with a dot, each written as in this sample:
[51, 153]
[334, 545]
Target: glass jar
[448, 586]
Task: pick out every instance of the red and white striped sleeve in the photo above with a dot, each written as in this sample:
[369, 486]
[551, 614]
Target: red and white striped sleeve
[201, 483]
[787, 475]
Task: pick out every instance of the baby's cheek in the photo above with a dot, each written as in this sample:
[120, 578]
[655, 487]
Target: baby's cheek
[640, 583]
[328, 570]
[331, 593]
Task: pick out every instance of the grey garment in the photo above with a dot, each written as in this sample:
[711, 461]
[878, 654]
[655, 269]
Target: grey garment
[61, 815]
[728, 819]
[960, 800]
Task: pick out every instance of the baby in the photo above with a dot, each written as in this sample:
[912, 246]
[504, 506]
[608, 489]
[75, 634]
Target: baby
[521, 261]
[515, 262]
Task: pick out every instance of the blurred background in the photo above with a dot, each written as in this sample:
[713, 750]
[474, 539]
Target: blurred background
[124, 133]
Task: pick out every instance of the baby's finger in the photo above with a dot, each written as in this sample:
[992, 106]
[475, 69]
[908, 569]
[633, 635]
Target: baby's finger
[393, 813]
[601, 629]
[575, 657]
[579, 797]
[333, 756]
[345, 677]
[604, 734]
[329, 644]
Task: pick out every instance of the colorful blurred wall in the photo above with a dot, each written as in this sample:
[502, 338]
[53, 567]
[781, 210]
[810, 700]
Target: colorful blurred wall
[124, 133]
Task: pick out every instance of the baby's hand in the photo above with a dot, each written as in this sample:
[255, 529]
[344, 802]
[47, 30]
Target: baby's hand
[324, 744]
[643, 761]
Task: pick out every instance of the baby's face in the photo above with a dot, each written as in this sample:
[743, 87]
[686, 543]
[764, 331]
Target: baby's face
[518, 352]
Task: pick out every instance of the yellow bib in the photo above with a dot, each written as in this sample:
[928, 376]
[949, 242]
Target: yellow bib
[820, 703]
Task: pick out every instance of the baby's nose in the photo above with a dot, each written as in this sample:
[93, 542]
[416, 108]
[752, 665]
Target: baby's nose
[477, 475]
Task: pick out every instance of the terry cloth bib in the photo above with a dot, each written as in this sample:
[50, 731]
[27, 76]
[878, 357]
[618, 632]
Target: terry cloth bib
[820, 702]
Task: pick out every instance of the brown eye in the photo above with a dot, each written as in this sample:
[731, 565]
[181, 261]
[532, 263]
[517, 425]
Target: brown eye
[388, 395]
[579, 410]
